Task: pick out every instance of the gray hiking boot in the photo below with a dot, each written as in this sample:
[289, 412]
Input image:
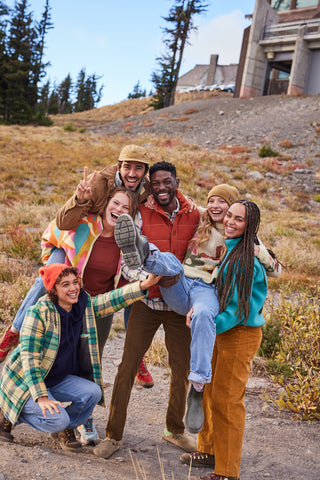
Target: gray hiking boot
[194, 416]
[134, 246]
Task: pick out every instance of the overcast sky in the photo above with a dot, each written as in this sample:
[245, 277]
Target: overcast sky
[120, 40]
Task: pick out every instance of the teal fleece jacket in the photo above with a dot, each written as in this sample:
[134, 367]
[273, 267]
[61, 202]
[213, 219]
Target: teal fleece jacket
[228, 319]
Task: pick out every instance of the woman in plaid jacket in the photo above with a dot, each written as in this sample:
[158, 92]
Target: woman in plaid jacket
[57, 359]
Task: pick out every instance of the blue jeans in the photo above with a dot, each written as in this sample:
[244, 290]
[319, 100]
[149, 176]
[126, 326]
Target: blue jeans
[189, 293]
[83, 395]
[126, 315]
[37, 290]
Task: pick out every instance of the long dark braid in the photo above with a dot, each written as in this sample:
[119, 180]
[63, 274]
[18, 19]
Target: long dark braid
[240, 265]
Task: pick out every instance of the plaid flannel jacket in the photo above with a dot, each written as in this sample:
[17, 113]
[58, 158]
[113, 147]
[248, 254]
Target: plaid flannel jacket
[26, 368]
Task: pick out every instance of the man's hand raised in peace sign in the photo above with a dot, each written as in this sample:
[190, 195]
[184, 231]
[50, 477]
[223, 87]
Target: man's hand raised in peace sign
[84, 188]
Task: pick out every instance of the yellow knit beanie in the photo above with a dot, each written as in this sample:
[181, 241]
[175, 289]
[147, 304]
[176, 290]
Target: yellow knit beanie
[227, 192]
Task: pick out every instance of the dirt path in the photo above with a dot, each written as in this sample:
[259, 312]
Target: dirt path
[275, 446]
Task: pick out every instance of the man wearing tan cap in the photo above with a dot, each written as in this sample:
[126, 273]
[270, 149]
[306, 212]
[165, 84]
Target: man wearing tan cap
[92, 192]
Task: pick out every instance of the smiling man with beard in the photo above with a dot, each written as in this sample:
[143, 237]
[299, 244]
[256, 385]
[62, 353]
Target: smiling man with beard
[92, 192]
[170, 226]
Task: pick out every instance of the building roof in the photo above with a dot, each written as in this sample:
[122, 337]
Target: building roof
[193, 77]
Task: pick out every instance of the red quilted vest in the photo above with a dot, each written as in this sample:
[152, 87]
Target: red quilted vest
[167, 236]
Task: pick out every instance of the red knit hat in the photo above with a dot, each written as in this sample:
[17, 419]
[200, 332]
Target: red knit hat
[50, 273]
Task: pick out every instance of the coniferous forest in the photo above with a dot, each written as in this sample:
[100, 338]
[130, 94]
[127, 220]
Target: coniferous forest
[26, 95]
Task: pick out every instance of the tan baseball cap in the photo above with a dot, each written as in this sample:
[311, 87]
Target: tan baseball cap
[134, 153]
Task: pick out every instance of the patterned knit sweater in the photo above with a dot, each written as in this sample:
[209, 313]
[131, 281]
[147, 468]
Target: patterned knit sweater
[202, 262]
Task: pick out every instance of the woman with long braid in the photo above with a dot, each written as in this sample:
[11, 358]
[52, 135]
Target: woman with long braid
[242, 290]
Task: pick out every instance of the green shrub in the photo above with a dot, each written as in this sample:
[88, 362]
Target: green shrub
[43, 120]
[69, 128]
[266, 151]
[271, 338]
[295, 361]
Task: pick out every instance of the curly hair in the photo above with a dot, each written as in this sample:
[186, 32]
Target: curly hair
[238, 265]
[163, 165]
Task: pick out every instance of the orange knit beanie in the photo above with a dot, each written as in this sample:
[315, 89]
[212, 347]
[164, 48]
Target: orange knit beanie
[50, 273]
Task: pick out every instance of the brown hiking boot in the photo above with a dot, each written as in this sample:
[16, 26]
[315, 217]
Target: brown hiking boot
[68, 440]
[5, 429]
[8, 341]
[214, 476]
[198, 459]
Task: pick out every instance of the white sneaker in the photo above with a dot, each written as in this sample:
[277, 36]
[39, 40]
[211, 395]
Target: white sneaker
[88, 432]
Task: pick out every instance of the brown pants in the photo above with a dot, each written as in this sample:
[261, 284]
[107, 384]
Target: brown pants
[142, 326]
[223, 399]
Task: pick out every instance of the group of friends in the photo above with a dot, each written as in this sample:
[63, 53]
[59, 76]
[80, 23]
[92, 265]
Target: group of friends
[128, 238]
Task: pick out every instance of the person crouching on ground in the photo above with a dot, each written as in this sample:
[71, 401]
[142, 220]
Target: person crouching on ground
[57, 359]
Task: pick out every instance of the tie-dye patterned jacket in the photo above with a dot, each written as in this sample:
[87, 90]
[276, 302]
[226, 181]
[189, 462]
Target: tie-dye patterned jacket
[77, 243]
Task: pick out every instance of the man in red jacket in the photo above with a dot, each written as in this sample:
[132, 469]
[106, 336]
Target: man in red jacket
[170, 226]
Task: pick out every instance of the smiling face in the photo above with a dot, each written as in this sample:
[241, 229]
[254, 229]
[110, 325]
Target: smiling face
[132, 173]
[217, 208]
[164, 186]
[235, 221]
[117, 205]
[67, 291]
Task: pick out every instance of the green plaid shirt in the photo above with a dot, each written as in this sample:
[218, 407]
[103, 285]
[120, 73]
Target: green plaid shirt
[26, 368]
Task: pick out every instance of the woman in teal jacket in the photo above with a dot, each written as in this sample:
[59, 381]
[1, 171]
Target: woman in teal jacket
[242, 290]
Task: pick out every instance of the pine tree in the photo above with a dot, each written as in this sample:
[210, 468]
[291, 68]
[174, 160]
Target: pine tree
[42, 28]
[53, 105]
[137, 91]
[88, 95]
[22, 43]
[165, 80]
[4, 12]
[19, 103]
[80, 91]
[64, 95]
[43, 104]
